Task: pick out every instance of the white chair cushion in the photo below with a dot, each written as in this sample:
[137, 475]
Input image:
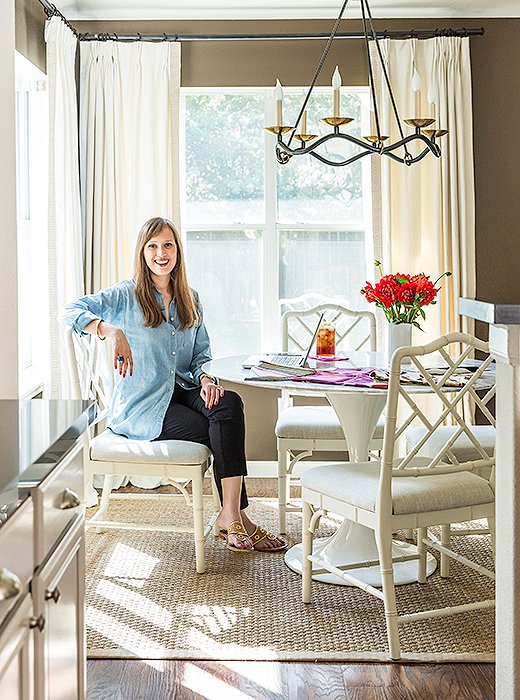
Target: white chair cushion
[314, 422]
[463, 448]
[109, 447]
[357, 484]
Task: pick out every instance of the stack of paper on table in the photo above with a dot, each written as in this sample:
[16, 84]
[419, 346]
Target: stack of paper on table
[365, 376]
[285, 369]
[267, 371]
[375, 378]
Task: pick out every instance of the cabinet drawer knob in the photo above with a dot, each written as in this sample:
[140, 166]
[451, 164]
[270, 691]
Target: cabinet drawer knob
[10, 584]
[38, 622]
[69, 499]
[53, 595]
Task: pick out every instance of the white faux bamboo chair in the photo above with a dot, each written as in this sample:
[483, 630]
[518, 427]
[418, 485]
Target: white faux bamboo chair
[302, 430]
[178, 461]
[411, 491]
[464, 451]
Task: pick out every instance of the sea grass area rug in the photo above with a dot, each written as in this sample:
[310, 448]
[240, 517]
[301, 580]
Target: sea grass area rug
[144, 600]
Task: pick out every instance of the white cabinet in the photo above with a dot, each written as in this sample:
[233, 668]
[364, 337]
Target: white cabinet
[16, 610]
[16, 653]
[42, 583]
[58, 598]
[58, 498]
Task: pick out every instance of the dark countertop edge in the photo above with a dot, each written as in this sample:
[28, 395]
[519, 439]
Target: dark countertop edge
[49, 459]
[65, 442]
[508, 314]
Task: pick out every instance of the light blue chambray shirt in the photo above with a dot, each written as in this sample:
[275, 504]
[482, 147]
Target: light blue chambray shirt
[162, 356]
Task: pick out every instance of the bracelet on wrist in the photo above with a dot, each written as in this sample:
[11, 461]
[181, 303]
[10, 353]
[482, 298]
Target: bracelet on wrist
[209, 376]
[101, 337]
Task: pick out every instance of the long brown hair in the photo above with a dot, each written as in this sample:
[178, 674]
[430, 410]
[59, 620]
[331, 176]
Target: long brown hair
[144, 286]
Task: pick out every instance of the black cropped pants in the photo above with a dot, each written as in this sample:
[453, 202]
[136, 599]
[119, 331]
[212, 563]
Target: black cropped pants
[221, 428]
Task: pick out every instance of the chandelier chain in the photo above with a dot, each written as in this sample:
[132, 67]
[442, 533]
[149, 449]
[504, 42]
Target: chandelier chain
[385, 72]
[319, 67]
[371, 76]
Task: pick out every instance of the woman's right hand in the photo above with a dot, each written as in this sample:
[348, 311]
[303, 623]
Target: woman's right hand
[122, 350]
[123, 361]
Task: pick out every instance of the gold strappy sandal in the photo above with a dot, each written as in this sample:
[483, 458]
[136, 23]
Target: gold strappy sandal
[237, 529]
[260, 534]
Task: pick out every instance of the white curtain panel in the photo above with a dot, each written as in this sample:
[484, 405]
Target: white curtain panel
[429, 208]
[129, 131]
[126, 92]
[65, 237]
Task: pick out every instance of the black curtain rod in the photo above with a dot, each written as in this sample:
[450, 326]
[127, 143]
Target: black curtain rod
[51, 11]
[386, 34]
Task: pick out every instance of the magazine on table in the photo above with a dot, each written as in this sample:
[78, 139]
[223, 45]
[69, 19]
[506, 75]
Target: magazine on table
[268, 371]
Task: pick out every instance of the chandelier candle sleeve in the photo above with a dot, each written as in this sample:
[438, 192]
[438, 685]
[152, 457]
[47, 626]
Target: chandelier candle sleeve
[304, 122]
[278, 93]
[373, 129]
[416, 87]
[336, 84]
[432, 99]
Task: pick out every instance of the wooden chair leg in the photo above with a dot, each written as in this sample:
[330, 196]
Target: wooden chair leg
[446, 541]
[282, 490]
[108, 483]
[198, 524]
[306, 551]
[384, 545]
[421, 550]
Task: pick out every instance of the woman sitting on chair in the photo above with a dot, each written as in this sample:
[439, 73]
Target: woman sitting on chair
[161, 393]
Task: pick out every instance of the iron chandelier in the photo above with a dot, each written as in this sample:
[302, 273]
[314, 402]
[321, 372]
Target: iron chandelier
[374, 143]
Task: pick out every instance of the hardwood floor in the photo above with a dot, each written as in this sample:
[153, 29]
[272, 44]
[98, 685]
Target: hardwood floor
[256, 680]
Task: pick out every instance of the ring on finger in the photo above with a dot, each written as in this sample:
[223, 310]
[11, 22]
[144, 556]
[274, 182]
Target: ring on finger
[120, 358]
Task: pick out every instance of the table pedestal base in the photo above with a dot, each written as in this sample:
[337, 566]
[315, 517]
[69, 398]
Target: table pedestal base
[354, 543]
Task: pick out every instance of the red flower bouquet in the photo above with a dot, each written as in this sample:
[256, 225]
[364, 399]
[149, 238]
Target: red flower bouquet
[402, 296]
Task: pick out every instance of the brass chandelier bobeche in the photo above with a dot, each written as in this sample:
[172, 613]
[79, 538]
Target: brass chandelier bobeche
[369, 145]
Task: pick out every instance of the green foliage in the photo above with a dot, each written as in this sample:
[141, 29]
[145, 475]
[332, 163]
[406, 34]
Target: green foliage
[224, 145]
[225, 151]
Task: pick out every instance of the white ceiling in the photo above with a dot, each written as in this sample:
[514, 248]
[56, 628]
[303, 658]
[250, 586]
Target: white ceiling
[280, 9]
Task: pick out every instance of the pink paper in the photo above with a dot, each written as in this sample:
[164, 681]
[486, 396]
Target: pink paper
[336, 358]
[351, 377]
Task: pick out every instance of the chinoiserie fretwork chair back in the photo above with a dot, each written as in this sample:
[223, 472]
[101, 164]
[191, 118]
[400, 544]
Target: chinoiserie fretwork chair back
[178, 463]
[355, 330]
[409, 489]
[460, 445]
[456, 391]
[90, 373]
[302, 430]
[305, 301]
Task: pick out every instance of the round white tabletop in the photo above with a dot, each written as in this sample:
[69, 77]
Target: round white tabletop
[358, 409]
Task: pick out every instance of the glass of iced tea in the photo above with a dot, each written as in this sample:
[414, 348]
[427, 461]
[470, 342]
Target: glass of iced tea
[326, 341]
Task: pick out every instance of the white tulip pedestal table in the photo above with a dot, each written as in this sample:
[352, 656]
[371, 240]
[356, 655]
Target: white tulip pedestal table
[358, 409]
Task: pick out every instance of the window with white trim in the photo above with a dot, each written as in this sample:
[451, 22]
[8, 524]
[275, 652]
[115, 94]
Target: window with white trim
[31, 199]
[259, 236]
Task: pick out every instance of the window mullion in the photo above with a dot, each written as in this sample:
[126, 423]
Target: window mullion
[270, 310]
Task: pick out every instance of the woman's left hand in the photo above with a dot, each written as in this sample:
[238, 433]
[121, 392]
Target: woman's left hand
[210, 392]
